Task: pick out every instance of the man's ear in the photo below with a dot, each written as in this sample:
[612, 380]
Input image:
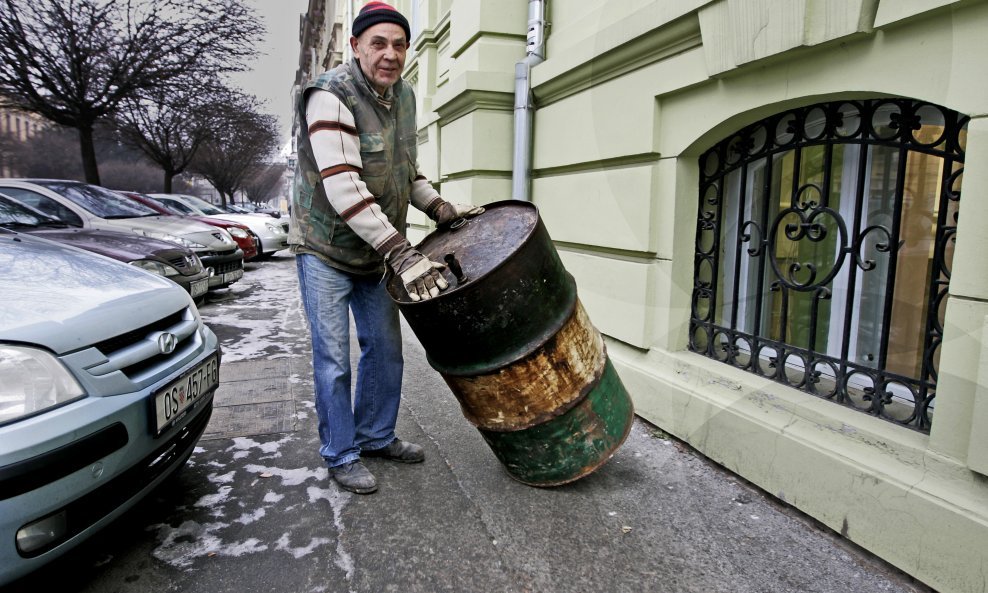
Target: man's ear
[353, 43]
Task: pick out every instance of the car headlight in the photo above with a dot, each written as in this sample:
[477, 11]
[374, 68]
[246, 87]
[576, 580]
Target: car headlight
[238, 233]
[169, 237]
[32, 380]
[156, 267]
[274, 228]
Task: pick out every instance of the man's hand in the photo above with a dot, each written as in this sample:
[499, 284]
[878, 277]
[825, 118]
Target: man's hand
[422, 280]
[418, 274]
[450, 212]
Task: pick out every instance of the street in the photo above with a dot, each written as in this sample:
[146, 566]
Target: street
[254, 509]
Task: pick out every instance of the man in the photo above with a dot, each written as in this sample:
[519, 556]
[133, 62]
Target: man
[356, 175]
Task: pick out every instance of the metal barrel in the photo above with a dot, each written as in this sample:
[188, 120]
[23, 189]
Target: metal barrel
[517, 349]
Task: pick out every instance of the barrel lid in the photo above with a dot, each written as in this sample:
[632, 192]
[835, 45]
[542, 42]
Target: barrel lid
[479, 244]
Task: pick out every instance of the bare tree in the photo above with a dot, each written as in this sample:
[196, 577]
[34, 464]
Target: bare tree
[262, 181]
[168, 126]
[74, 61]
[239, 142]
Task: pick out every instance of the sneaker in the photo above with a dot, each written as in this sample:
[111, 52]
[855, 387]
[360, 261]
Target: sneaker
[398, 450]
[354, 477]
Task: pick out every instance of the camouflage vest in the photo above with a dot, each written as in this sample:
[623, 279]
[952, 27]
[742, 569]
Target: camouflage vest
[388, 151]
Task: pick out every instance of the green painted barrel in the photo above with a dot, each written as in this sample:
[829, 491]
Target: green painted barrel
[517, 349]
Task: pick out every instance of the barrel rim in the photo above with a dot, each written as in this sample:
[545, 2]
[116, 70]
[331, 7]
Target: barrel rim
[466, 287]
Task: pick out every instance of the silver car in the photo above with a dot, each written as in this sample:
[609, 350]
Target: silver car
[90, 206]
[107, 376]
[271, 233]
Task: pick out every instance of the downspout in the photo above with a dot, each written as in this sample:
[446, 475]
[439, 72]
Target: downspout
[524, 105]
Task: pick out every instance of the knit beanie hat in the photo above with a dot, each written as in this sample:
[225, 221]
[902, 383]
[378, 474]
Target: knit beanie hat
[375, 12]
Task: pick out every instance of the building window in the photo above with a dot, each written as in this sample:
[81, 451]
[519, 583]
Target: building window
[824, 243]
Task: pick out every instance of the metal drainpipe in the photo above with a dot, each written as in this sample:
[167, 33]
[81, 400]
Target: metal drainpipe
[524, 105]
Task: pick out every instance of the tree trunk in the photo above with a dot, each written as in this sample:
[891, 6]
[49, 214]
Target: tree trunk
[89, 166]
[223, 200]
[169, 174]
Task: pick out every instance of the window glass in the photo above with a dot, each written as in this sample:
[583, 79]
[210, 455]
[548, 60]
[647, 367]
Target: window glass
[99, 201]
[44, 204]
[823, 250]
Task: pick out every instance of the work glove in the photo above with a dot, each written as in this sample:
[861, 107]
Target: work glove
[419, 275]
[449, 212]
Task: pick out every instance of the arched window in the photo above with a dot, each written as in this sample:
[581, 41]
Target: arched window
[823, 250]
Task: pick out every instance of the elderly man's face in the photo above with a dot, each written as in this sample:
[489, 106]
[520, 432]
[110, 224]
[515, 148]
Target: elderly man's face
[381, 51]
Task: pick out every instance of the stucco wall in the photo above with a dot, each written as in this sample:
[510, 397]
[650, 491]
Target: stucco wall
[630, 95]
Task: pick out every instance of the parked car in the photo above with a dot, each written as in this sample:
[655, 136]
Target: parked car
[240, 233]
[272, 235]
[178, 264]
[90, 206]
[107, 376]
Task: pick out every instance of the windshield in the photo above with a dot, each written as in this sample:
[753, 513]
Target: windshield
[98, 201]
[207, 208]
[173, 206]
[14, 214]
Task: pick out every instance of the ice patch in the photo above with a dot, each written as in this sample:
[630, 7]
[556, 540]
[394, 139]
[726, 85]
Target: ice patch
[246, 444]
[212, 500]
[290, 477]
[248, 518]
[284, 545]
[273, 497]
[224, 479]
[258, 338]
[180, 546]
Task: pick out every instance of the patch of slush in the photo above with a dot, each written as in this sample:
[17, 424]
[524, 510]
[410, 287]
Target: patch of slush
[248, 518]
[257, 338]
[181, 545]
[284, 544]
[289, 477]
[273, 497]
[221, 479]
[337, 500]
[215, 500]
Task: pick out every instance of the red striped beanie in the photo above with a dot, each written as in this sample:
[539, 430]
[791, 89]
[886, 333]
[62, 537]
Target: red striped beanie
[375, 12]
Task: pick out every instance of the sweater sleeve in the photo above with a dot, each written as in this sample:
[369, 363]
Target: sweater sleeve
[336, 148]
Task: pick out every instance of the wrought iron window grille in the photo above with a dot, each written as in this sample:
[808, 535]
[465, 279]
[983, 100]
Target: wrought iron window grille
[824, 243]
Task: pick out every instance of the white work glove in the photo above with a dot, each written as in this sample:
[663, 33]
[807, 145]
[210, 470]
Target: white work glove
[449, 212]
[419, 275]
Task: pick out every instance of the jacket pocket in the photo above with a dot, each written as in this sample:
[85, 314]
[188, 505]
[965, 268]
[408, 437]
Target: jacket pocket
[373, 157]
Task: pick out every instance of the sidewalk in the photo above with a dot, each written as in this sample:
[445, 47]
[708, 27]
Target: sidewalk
[255, 510]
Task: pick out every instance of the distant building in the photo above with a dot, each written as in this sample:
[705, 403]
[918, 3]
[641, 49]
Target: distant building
[16, 127]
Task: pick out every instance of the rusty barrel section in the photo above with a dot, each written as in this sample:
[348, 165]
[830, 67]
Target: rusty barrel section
[538, 387]
[518, 350]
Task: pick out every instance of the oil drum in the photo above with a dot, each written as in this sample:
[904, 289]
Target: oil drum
[517, 349]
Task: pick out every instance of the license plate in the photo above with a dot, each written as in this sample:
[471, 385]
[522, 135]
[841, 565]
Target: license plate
[199, 287]
[232, 276]
[171, 403]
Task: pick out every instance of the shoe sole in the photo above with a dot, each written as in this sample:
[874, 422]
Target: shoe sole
[356, 490]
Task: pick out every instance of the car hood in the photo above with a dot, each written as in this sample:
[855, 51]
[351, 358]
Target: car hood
[179, 226]
[63, 299]
[121, 246]
[252, 221]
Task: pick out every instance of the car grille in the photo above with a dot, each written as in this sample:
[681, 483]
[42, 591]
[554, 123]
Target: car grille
[181, 263]
[205, 254]
[229, 266]
[139, 352]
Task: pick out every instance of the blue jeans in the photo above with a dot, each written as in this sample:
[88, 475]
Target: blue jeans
[367, 421]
